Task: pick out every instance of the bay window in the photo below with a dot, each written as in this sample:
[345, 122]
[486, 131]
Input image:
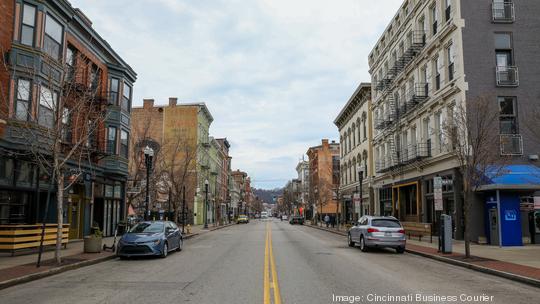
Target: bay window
[28, 25]
[24, 100]
[124, 143]
[113, 91]
[47, 105]
[52, 43]
[111, 140]
[126, 98]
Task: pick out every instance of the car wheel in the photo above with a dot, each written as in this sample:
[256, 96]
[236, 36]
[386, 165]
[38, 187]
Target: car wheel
[165, 250]
[400, 249]
[350, 241]
[180, 245]
[363, 246]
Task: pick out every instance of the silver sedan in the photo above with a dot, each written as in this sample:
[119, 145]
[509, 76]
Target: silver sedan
[377, 231]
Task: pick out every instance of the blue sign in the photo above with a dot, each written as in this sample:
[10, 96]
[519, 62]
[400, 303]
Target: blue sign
[510, 215]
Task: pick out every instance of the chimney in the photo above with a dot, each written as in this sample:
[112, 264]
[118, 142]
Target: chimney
[148, 103]
[173, 101]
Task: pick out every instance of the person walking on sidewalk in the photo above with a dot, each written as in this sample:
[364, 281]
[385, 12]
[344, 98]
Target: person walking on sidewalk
[327, 220]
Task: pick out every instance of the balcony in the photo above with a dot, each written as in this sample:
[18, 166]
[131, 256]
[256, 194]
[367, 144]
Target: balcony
[507, 76]
[511, 144]
[503, 12]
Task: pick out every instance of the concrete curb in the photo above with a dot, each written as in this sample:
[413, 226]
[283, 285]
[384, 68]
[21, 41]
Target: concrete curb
[499, 273]
[57, 270]
[53, 271]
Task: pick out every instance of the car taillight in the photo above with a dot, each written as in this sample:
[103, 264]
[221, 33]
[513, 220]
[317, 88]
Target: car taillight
[371, 230]
[401, 231]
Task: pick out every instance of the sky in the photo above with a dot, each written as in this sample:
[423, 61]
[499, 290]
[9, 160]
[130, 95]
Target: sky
[273, 73]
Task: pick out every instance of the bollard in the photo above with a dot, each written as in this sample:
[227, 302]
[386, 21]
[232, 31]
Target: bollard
[188, 229]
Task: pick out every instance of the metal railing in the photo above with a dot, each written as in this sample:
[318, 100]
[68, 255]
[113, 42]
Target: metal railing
[511, 144]
[405, 156]
[503, 11]
[507, 76]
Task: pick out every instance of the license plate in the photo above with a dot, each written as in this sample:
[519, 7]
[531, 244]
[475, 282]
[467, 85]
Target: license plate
[388, 234]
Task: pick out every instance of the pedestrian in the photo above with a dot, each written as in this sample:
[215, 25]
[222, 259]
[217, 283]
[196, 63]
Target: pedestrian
[327, 220]
[333, 221]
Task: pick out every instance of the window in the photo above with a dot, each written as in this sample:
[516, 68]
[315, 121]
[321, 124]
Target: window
[124, 142]
[434, 19]
[94, 78]
[503, 11]
[52, 43]
[508, 115]
[448, 10]
[24, 93]
[66, 125]
[111, 140]
[113, 95]
[70, 62]
[28, 25]
[47, 106]
[364, 126]
[436, 65]
[450, 57]
[126, 100]
[506, 72]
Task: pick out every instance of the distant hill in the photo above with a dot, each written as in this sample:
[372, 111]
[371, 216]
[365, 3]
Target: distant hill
[267, 195]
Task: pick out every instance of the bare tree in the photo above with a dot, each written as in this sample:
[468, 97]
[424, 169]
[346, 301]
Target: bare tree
[65, 131]
[471, 135]
[178, 163]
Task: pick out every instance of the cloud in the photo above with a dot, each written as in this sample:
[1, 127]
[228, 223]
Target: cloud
[274, 73]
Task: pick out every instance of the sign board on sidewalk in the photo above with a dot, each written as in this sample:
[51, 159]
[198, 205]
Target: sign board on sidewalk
[437, 193]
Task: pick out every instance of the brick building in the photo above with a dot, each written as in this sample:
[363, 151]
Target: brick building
[55, 62]
[324, 178]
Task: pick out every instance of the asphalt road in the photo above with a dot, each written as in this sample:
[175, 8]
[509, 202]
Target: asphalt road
[303, 265]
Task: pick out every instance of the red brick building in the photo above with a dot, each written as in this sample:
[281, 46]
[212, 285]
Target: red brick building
[52, 60]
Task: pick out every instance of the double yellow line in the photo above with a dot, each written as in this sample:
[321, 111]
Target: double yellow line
[270, 269]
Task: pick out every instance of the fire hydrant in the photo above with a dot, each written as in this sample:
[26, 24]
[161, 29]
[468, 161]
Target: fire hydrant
[188, 229]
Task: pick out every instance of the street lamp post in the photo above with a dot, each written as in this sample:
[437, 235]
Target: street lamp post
[148, 155]
[205, 204]
[360, 182]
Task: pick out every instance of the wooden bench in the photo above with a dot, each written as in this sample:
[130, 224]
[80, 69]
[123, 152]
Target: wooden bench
[15, 237]
[418, 229]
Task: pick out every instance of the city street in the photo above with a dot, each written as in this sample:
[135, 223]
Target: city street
[303, 265]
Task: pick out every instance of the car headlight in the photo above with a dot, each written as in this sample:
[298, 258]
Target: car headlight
[156, 242]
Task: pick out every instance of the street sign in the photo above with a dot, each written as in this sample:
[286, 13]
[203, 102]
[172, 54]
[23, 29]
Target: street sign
[437, 193]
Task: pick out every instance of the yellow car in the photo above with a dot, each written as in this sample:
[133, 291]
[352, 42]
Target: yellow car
[242, 219]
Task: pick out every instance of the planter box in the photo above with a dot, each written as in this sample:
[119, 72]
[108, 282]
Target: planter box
[92, 244]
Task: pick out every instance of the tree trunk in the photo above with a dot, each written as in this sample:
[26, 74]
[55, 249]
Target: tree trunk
[337, 214]
[466, 214]
[59, 214]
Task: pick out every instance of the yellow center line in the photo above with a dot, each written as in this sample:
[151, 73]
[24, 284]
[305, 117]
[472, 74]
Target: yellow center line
[270, 268]
[277, 296]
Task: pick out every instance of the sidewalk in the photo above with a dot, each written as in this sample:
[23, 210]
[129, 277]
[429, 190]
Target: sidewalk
[516, 263]
[21, 268]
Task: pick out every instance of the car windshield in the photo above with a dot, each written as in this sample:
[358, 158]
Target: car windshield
[385, 223]
[147, 228]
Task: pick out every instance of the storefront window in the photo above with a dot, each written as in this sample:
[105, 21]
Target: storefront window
[109, 191]
[118, 191]
[25, 174]
[13, 207]
[6, 171]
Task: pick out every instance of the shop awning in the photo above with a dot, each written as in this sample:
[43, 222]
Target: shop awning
[512, 177]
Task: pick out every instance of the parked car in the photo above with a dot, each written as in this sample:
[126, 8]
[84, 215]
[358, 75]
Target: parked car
[284, 217]
[264, 215]
[242, 219]
[150, 238]
[296, 219]
[377, 231]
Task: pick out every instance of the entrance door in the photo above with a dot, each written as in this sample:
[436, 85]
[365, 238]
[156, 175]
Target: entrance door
[74, 214]
[493, 226]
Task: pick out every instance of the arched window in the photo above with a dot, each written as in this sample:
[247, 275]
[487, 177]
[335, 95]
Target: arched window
[359, 130]
[354, 170]
[354, 135]
[364, 124]
[349, 140]
[365, 160]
